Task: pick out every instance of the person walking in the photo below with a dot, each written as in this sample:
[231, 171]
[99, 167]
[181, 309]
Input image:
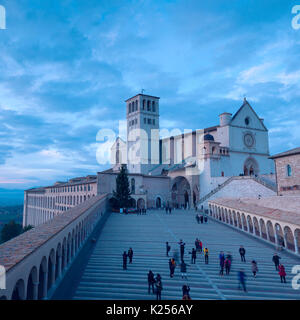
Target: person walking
[183, 270]
[201, 219]
[206, 253]
[227, 264]
[182, 245]
[186, 292]
[159, 288]
[276, 259]
[172, 266]
[197, 245]
[168, 248]
[242, 252]
[242, 279]
[282, 273]
[167, 209]
[194, 255]
[254, 268]
[197, 218]
[130, 255]
[222, 261]
[151, 281]
[124, 260]
[170, 210]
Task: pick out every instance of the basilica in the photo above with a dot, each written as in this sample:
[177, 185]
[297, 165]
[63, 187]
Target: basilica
[183, 169]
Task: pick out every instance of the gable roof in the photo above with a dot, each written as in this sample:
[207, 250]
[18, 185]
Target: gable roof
[286, 153]
[245, 103]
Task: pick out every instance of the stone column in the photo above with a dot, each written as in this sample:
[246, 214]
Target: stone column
[52, 280]
[45, 283]
[276, 237]
[247, 221]
[59, 266]
[35, 290]
[259, 228]
[296, 245]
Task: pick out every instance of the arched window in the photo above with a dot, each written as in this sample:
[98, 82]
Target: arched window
[118, 157]
[288, 170]
[144, 104]
[129, 107]
[136, 105]
[153, 106]
[132, 186]
[148, 105]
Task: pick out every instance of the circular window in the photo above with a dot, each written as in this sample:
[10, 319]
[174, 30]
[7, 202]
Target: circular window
[248, 140]
[247, 121]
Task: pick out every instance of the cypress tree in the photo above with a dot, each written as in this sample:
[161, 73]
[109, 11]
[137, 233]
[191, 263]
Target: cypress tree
[122, 192]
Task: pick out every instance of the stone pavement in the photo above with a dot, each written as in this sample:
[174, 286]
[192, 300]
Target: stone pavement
[104, 278]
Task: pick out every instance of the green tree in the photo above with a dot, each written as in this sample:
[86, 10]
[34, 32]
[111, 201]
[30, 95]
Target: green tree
[122, 192]
[10, 230]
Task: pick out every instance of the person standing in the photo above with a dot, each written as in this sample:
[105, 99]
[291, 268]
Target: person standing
[282, 273]
[183, 270]
[194, 256]
[168, 248]
[200, 246]
[159, 288]
[206, 253]
[124, 260]
[182, 245]
[242, 253]
[197, 218]
[242, 279]
[167, 209]
[227, 264]
[254, 268]
[197, 244]
[276, 259]
[151, 281]
[222, 261]
[201, 219]
[205, 219]
[172, 266]
[186, 292]
[130, 255]
[170, 210]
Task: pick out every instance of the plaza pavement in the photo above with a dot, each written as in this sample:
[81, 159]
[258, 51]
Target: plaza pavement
[104, 278]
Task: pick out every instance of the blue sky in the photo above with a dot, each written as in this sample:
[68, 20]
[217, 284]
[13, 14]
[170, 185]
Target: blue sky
[67, 66]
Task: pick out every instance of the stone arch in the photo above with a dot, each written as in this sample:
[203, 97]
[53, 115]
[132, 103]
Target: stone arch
[297, 239]
[19, 290]
[244, 222]
[256, 227]
[251, 167]
[32, 283]
[279, 235]
[263, 228]
[270, 231]
[181, 192]
[239, 221]
[58, 261]
[158, 202]
[141, 203]
[42, 290]
[250, 224]
[289, 238]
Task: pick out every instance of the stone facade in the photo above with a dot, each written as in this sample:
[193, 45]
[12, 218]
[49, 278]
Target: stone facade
[287, 166]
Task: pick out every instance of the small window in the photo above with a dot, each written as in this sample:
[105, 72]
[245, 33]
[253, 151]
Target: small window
[144, 104]
[289, 170]
[148, 105]
[149, 121]
[153, 106]
[247, 121]
[136, 105]
[129, 107]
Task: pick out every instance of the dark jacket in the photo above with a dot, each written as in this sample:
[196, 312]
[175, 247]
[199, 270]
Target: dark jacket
[242, 251]
[183, 267]
[276, 259]
[151, 277]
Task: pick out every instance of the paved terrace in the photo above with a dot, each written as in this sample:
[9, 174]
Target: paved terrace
[103, 277]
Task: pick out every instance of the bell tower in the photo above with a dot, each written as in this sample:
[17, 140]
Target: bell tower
[142, 112]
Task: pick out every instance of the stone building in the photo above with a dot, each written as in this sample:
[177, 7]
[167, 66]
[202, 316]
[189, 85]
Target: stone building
[287, 167]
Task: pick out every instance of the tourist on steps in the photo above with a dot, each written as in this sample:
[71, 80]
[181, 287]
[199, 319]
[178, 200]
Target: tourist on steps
[186, 292]
[159, 287]
[242, 280]
[276, 259]
[227, 264]
[201, 219]
[222, 261]
[206, 253]
[168, 248]
[170, 210]
[282, 273]
[151, 281]
[172, 266]
[183, 270]
[194, 256]
[181, 244]
[205, 219]
[124, 260]
[254, 268]
[130, 255]
[200, 246]
[197, 245]
[242, 252]
[197, 218]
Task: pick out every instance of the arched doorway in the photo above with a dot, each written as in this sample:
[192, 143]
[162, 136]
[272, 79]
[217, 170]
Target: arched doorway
[141, 203]
[158, 202]
[181, 192]
[31, 283]
[19, 291]
[251, 167]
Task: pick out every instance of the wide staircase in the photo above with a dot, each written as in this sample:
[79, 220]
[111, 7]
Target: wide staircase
[104, 278]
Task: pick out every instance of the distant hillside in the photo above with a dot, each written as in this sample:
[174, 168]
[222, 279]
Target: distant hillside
[11, 197]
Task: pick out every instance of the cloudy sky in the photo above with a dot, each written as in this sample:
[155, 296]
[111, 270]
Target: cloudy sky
[67, 66]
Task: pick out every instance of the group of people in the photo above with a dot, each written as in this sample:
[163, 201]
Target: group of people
[200, 218]
[168, 210]
[155, 282]
[127, 255]
[141, 211]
